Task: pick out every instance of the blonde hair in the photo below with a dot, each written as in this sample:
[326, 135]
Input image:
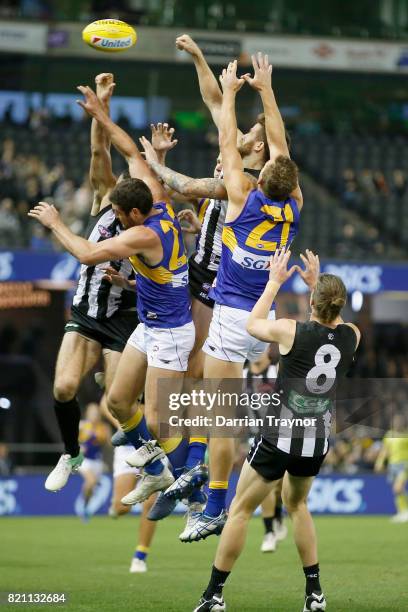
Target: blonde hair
[329, 297]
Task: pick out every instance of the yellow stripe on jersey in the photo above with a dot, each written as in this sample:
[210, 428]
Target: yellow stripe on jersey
[254, 239]
[175, 261]
[170, 210]
[203, 209]
[288, 212]
[229, 238]
[159, 275]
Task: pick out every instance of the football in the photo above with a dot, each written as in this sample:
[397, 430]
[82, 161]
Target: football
[109, 35]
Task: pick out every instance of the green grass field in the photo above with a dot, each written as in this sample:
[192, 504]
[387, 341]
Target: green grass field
[364, 566]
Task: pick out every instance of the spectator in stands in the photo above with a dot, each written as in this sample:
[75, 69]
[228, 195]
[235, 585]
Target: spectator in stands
[380, 183]
[399, 183]
[10, 228]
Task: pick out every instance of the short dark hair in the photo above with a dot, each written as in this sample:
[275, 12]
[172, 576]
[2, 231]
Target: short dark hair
[280, 178]
[132, 193]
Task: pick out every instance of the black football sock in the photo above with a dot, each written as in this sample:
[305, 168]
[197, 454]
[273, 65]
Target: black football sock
[68, 416]
[312, 579]
[278, 510]
[217, 581]
[268, 524]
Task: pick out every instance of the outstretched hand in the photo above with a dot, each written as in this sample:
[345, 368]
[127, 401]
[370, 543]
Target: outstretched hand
[312, 268]
[149, 152]
[45, 213]
[91, 105]
[162, 137]
[278, 266]
[229, 80]
[262, 72]
[186, 43]
[104, 86]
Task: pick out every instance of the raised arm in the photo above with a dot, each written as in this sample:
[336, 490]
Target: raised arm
[209, 88]
[129, 242]
[237, 183]
[162, 140]
[187, 186]
[274, 125]
[100, 173]
[283, 330]
[275, 128]
[138, 167]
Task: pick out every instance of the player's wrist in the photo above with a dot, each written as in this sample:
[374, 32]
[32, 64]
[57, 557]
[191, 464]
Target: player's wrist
[272, 285]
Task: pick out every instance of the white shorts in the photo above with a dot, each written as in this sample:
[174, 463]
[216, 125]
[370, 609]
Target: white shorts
[167, 348]
[120, 454]
[95, 466]
[228, 338]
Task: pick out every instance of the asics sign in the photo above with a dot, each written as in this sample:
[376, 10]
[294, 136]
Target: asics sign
[365, 278]
[337, 496]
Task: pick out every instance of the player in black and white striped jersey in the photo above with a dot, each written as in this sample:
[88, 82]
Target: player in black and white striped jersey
[318, 353]
[103, 314]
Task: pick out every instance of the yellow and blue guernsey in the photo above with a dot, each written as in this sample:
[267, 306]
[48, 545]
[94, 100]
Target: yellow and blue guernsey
[247, 244]
[163, 298]
[90, 439]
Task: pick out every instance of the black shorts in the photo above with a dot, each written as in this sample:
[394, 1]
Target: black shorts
[111, 333]
[271, 463]
[200, 282]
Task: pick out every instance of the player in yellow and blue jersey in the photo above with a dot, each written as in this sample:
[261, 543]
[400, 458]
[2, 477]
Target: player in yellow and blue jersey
[258, 222]
[160, 345]
[93, 435]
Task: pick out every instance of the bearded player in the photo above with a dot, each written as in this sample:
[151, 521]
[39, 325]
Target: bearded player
[258, 221]
[153, 242]
[102, 316]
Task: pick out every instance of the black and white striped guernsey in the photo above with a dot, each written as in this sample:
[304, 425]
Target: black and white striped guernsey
[95, 296]
[307, 379]
[209, 242]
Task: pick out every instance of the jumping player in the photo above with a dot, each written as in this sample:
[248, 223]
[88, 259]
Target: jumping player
[314, 355]
[102, 316]
[160, 345]
[258, 221]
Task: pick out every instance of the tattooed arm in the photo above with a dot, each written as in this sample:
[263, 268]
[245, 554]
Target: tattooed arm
[187, 186]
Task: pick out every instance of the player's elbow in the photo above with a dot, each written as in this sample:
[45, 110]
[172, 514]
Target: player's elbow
[86, 259]
[251, 327]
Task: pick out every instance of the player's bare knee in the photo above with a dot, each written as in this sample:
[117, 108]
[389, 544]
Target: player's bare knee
[294, 505]
[116, 406]
[65, 389]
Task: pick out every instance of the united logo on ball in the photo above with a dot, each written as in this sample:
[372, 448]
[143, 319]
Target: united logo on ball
[109, 35]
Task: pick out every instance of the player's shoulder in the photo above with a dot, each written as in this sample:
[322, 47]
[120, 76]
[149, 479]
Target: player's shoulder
[356, 331]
